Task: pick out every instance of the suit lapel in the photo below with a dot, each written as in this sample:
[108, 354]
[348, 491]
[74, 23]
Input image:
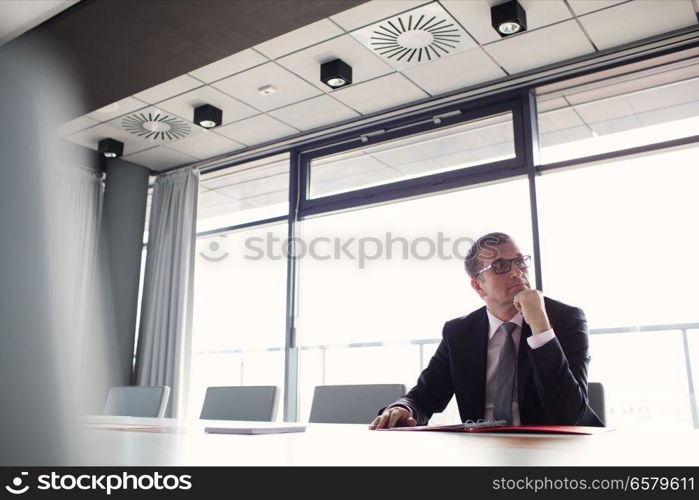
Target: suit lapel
[478, 358]
[523, 370]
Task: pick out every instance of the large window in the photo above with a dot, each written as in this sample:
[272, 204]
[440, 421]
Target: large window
[239, 320]
[615, 237]
[618, 240]
[253, 191]
[400, 278]
[239, 313]
[622, 108]
[481, 141]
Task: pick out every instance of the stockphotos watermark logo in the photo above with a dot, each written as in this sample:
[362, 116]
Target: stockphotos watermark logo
[361, 250]
[106, 483]
[17, 485]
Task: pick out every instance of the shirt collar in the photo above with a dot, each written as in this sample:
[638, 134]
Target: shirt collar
[495, 322]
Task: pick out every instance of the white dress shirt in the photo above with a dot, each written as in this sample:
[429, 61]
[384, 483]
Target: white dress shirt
[496, 337]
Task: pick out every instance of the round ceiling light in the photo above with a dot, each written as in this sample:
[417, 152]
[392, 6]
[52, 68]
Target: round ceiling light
[336, 82]
[509, 28]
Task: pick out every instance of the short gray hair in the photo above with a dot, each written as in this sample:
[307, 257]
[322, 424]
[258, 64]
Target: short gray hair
[472, 262]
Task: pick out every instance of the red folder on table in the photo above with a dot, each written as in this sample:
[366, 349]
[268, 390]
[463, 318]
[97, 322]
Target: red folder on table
[508, 429]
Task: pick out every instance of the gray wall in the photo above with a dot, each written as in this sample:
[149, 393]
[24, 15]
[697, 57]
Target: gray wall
[80, 155]
[123, 219]
[39, 346]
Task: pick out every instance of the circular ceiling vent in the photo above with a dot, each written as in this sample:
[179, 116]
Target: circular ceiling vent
[415, 38]
[156, 126]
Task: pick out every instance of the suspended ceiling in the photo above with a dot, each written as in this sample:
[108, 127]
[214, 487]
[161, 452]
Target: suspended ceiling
[558, 30]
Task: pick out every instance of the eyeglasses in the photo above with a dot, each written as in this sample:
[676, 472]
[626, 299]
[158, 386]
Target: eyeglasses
[502, 266]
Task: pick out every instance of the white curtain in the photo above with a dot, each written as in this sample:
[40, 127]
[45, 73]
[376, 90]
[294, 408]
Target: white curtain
[164, 339]
[75, 237]
[83, 193]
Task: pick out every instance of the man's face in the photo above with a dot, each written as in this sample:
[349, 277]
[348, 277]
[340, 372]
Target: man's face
[499, 289]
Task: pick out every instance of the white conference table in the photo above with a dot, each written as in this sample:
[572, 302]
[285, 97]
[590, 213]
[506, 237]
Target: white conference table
[178, 443]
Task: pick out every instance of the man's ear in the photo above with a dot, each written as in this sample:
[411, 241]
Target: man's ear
[476, 285]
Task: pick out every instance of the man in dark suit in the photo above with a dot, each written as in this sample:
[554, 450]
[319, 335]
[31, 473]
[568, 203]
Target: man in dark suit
[522, 358]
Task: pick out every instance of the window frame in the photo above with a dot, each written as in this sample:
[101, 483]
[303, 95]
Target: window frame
[415, 125]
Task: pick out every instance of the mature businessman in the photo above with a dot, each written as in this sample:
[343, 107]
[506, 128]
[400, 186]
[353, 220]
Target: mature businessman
[521, 358]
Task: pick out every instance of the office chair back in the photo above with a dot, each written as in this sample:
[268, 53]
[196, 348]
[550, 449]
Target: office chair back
[595, 396]
[352, 404]
[254, 403]
[137, 401]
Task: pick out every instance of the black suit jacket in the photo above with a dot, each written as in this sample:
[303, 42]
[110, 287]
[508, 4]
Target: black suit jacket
[551, 380]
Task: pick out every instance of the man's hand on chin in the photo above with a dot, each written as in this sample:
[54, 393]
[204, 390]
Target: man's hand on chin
[531, 304]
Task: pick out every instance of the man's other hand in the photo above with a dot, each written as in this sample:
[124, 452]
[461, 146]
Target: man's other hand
[395, 416]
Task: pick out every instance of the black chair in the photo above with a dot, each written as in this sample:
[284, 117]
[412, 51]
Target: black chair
[595, 395]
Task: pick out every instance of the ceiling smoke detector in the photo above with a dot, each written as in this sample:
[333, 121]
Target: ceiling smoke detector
[154, 125]
[418, 36]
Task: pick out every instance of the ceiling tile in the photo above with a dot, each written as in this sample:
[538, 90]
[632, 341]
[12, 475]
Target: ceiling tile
[116, 109]
[299, 39]
[313, 113]
[455, 72]
[205, 145]
[382, 93]
[256, 130]
[371, 12]
[160, 158]
[183, 105]
[168, 89]
[538, 48]
[415, 37]
[365, 65]
[581, 7]
[290, 88]
[76, 125]
[638, 19]
[228, 66]
[474, 16]
[91, 136]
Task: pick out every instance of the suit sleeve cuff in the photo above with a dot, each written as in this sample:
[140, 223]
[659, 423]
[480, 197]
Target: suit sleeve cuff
[402, 405]
[536, 341]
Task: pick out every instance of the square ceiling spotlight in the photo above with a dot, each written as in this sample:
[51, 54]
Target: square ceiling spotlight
[208, 116]
[415, 37]
[336, 73]
[508, 18]
[155, 126]
[110, 148]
